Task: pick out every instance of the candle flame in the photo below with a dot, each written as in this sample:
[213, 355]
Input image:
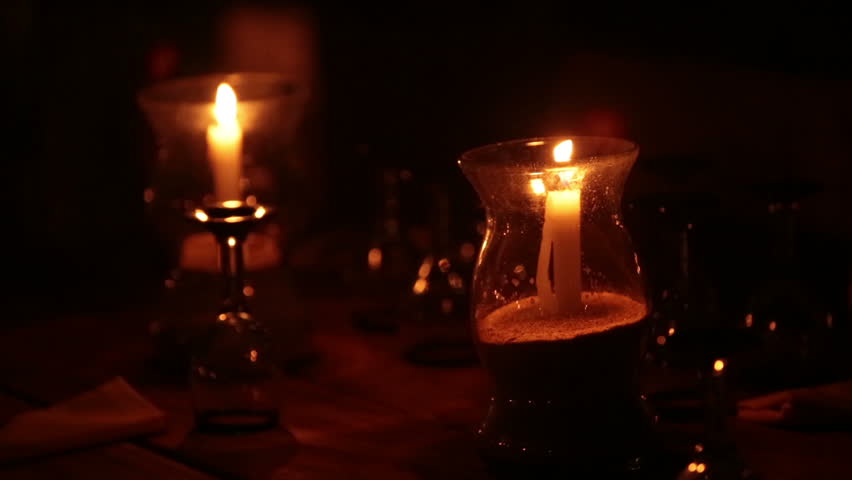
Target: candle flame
[562, 152]
[225, 109]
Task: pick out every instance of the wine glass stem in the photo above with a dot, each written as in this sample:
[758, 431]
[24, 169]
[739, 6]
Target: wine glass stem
[232, 266]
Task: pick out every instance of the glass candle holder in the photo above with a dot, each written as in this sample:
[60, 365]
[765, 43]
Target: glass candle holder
[558, 304]
[224, 143]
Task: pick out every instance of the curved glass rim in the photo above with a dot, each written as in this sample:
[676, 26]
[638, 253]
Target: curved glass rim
[479, 156]
[192, 90]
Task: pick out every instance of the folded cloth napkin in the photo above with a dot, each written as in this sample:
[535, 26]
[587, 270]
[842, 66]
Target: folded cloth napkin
[110, 412]
[822, 406]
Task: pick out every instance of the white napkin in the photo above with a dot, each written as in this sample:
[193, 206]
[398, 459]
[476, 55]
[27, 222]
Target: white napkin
[822, 406]
[113, 411]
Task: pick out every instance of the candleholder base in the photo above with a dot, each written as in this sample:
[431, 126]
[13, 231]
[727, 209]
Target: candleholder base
[599, 436]
[233, 377]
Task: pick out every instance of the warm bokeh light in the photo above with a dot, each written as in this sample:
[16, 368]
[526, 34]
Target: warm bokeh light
[535, 143]
[420, 286]
[232, 242]
[201, 216]
[253, 355]
[447, 305]
[661, 340]
[562, 152]
[248, 291]
[425, 268]
[749, 320]
[772, 326]
[671, 331]
[231, 203]
[537, 186]
[233, 219]
[692, 467]
[718, 365]
[700, 468]
[374, 258]
[260, 212]
[467, 251]
[225, 109]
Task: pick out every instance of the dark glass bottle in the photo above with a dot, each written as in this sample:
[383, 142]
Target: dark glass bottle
[783, 315]
[435, 328]
[388, 261]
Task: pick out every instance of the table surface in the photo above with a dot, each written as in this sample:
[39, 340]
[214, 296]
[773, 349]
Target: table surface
[360, 411]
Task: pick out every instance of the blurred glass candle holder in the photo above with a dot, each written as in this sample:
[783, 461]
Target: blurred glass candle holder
[558, 305]
[222, 141]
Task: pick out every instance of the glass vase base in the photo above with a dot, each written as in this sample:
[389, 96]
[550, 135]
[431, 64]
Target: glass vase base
[565, 437]
[236, 421]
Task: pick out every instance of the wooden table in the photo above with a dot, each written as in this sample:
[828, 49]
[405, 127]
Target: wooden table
[360, 412]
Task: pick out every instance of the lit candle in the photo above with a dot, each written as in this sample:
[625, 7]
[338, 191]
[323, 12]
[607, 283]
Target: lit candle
[224, 145]
[559, 254]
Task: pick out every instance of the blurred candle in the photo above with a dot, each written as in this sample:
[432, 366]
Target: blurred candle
[224, 145]
[560, 241]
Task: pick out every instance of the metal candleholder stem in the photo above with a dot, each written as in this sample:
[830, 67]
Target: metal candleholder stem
[233, 373]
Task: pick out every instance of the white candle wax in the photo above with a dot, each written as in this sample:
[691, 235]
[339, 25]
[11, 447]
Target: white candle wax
[224, 145]
[559, 254]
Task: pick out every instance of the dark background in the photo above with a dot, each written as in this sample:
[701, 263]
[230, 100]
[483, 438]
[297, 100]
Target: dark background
[741, 95]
